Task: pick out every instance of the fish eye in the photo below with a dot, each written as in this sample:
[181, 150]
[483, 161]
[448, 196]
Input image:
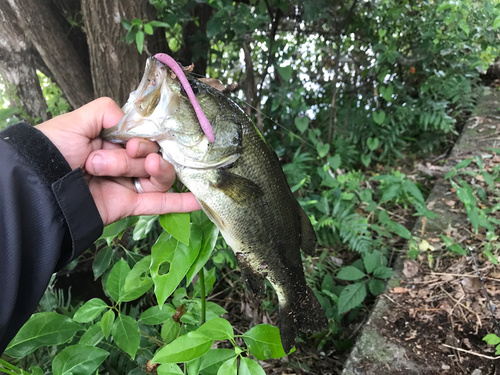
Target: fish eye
[193, 85]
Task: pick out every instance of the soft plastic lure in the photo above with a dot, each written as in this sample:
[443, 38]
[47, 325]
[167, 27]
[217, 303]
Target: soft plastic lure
[172, 64]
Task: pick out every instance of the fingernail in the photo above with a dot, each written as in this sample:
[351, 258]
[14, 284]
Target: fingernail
[141, 150]
[98, 163]
[163, 164]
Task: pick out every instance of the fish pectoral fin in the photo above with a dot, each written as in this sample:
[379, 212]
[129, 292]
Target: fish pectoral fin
[240, 189]
[308, 240]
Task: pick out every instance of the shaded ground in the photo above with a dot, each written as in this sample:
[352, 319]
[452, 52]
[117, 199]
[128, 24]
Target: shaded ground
[434, 315]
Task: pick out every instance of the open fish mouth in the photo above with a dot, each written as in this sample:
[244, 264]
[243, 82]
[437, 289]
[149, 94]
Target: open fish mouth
[149, 108]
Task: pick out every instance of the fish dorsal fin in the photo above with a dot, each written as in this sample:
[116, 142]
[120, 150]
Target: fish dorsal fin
[240, 189]
[308, 240]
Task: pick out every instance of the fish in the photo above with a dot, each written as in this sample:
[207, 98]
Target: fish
[239, 183]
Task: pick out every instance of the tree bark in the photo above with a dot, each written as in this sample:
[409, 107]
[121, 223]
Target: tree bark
[116, 66]
[17, 64]
[56, 50]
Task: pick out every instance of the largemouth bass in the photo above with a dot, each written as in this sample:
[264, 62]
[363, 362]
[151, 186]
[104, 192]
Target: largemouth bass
[238, 182]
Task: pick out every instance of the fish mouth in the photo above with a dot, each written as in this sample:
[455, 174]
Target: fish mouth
[150, 107]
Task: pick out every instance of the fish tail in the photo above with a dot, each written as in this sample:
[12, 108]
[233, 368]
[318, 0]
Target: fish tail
[303, 314]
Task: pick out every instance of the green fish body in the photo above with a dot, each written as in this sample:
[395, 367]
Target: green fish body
[238, 182]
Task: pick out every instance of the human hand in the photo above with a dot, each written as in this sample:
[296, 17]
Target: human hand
[108, 167]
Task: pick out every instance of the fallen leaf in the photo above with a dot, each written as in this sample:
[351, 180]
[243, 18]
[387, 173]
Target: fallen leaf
[424, 246]
[410, 268]
[471, 284]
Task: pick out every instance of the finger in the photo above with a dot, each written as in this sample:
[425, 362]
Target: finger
[161, 171]
[163, 203]
[137, 147]
[114, 163]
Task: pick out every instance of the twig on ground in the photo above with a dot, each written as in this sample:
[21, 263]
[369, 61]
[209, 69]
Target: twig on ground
[471, 352]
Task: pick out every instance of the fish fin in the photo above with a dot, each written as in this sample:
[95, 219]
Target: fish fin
[303, 314]
[254, 281]
[212, 215]
[240, 189]
[308, 240]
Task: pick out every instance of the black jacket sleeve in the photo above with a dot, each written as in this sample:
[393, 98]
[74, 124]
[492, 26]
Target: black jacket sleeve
[47, 218]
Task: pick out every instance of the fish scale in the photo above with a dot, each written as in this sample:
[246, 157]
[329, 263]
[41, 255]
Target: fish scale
[239, 183]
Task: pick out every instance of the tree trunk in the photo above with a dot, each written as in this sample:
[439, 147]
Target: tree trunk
[17, 64]
[116, 66]
[56, 50]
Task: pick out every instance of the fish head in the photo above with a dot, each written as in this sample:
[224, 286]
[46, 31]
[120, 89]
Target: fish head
[160, 110]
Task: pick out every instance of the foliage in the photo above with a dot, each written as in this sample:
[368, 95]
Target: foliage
[494, 340]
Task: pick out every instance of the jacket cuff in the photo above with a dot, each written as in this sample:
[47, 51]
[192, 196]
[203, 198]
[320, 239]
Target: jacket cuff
[69, 187]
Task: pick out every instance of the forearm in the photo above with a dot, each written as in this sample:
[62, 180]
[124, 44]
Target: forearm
[48, 217]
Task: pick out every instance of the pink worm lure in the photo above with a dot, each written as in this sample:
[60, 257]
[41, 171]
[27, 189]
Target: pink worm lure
[204, 123]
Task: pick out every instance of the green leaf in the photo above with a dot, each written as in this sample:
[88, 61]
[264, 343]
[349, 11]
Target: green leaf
[169, 369]
[78, 360]
[334, 161]
[42, 329]
[160, 24]
[412, 189]
[489, 256]
[107, 322]
[126, 334]
[379, 117]
[6, 113]
[302, 123]
[169, 252]
[383, 272]
[366, 160]
[350, 273]
[156, 315]
[148, 28]
[217, 329]
[443, 7]
[285, 72]
[184, 348]
[90, 310]
[264, 342]
[116, 280]
[492, 339]
[249, 367]
[213, 359]
[169, 330]
[139, 39]
[215, 25]
[496, 23]
[178, 225]
[387, 92]
[102, 261]
[382, 32]
[372, 260]
[372, 143]
[229, 367]
[137, 281]
[376, 286]
[210, 232]
[92, 336]
[323, 150]
[118, 227]
[351, 296]
[144, 226]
